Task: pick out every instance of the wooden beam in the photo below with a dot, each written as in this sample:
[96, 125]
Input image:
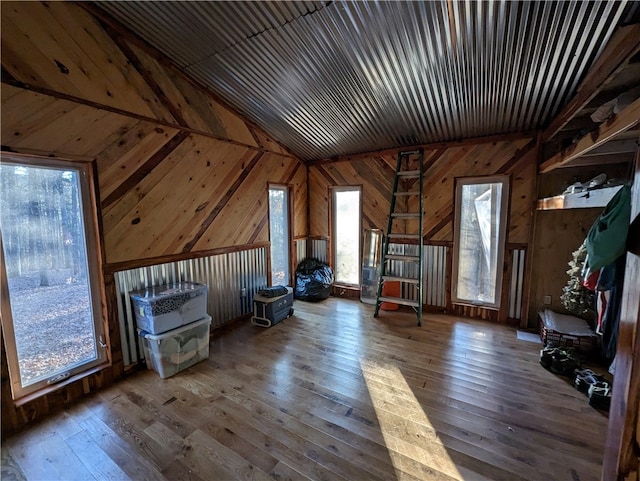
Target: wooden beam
[96, 105]
[625, 401]
[146, 168]
[152, 261]
[227, 197]
[433, 146]
[623, 146]
[601, 160]
[147, 76]
[598, 198]
[608, 130]
[116, 26]
[623, 45]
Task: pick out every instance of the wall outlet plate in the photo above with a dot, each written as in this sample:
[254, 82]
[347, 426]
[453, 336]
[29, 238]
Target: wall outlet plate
[546, 300]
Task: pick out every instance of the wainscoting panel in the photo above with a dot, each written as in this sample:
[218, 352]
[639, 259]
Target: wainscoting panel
[226, 275]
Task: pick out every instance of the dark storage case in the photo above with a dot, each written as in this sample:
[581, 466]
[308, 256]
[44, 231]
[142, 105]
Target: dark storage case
[268, 311]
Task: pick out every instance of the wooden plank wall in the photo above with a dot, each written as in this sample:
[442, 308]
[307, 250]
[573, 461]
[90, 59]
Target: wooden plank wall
[516, 158]
[551, 257]
[179, 173]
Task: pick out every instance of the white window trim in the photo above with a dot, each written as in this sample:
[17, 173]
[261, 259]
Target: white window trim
[504, 206]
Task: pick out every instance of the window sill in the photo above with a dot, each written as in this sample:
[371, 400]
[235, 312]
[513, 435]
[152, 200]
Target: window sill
[54, 387]
[471, 304]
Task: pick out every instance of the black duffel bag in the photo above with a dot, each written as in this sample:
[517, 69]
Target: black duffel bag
[275, 291]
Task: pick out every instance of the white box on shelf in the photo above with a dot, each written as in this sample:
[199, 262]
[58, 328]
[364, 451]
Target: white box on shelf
[173, 351]
[159, 309]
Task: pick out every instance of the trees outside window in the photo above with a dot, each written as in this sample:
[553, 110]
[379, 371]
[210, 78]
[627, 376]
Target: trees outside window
[346, 235]
[480, 229]
[52, 317]
[279, 234]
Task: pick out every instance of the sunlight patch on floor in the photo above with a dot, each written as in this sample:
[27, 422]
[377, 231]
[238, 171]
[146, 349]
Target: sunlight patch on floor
[408, 433]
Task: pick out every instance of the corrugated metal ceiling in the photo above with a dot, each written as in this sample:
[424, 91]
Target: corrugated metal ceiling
[333, 78]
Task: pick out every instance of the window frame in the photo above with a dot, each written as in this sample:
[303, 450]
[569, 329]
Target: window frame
[333, 190]
[289, 212]
[88, 196]
[505, 180]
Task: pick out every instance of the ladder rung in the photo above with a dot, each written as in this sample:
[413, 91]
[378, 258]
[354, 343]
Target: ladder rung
[411, 192]
[410, 152]
[404, 236]
[398, 257]
[399, 300]
[406, 280]
[406, 215]
[409, 173]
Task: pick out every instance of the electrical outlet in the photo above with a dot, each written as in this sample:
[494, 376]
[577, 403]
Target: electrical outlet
[243, 292]
[546, 300]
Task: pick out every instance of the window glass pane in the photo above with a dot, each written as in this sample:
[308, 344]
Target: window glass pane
[46, 265]
[347, 236]
[478, 244]
[279, 235]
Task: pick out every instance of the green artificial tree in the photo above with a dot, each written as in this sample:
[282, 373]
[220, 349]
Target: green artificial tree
[576, 298]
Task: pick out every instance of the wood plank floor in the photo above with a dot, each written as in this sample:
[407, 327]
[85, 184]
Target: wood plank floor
[332, 394]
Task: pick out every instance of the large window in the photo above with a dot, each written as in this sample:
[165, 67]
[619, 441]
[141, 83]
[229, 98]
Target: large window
[279, 234]
[480, 226]
[346, 235]
[51, 310]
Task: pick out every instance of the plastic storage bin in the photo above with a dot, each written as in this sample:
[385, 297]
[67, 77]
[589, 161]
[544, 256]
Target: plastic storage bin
[162, 308]
[178, 349]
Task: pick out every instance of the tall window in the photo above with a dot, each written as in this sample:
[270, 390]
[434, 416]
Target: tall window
[480, 228]
[279, 234]
[346, 235]
[51, 309]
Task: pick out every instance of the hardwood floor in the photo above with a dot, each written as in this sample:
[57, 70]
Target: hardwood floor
[332, 394]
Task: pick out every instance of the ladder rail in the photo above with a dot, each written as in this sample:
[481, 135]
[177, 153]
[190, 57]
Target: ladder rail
[417, 281]
[383, 269]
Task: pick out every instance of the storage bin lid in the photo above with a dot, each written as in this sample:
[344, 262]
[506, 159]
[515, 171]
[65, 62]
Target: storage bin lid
[175, 332]
[155, 293]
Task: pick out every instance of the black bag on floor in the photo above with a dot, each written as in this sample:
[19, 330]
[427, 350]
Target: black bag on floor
[274, 291]
[314, 279]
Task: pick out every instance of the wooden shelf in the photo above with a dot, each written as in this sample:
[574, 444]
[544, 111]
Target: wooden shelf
[579, 200]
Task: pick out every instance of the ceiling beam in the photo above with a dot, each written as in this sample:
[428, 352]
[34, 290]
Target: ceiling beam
[600, 160]
[618, 146]
[433, 146]
[615, 125]
[624, 44]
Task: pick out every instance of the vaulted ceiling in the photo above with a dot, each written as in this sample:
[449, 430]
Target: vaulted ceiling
[334, 78]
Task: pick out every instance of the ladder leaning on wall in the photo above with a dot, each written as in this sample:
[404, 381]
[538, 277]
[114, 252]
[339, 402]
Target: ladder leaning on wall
[407, 192]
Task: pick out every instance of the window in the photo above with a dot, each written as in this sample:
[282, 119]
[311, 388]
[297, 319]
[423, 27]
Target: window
[52, 321]
[480, 227]
[279, 234]
[346, 235]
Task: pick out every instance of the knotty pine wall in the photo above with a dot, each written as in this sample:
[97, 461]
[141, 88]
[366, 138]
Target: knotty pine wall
[516, 158]
[179, 173]
[558, 233]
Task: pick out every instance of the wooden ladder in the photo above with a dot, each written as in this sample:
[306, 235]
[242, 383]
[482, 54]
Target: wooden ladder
[406, 171]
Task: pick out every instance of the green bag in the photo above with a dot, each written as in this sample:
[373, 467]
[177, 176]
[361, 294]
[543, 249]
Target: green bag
[607, 238]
